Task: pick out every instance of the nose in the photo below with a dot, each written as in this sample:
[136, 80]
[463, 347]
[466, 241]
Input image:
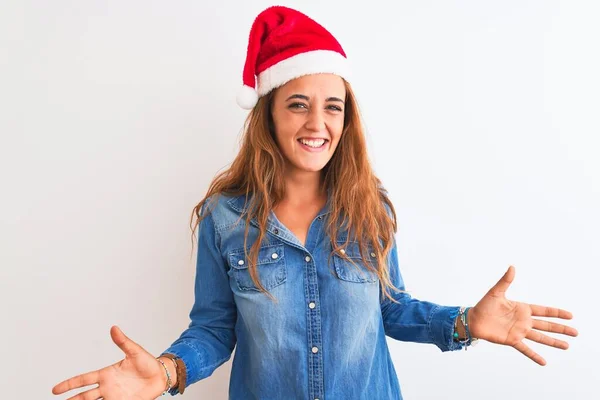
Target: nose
[315, 120]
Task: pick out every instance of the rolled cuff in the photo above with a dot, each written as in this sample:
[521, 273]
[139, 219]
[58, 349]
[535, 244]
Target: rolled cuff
[189, 357]
[441, 327]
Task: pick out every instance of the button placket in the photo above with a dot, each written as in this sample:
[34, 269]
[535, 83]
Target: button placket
[314, 337]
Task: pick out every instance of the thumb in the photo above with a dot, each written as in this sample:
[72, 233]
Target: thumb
[502, 285]
[129, 347]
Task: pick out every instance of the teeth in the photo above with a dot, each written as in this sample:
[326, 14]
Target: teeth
[313, 143]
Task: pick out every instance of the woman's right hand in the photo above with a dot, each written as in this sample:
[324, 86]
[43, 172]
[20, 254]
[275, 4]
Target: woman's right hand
[138, 376]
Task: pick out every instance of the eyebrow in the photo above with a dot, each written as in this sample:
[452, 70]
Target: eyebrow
[301, 96]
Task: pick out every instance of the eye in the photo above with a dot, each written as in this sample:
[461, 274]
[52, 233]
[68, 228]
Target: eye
[294, 105]
[302, 105]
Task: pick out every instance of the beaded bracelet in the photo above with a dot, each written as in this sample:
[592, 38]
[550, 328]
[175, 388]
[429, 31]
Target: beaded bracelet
[180, 370]
[468, 341]
[168, 377]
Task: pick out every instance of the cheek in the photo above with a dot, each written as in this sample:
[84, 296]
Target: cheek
[284, 140]
[280, 128]
[284, 134]
[336, 128]
[287, 128]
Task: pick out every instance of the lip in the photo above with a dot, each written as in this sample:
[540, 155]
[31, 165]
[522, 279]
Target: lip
[312, 149]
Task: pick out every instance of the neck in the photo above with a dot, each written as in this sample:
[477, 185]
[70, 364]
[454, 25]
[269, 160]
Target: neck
[303, 187]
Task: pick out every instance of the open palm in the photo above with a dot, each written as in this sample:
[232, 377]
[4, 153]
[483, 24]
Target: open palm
[499, 320]
[139, 376]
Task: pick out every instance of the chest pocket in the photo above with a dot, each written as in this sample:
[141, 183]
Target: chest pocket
[270, 266]
[344, 268]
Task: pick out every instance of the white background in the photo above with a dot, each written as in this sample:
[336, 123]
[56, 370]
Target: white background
[482, 122]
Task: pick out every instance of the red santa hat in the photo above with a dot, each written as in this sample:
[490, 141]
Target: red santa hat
[285, 44]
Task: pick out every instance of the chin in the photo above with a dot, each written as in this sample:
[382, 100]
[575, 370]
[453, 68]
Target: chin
[302, 165]
[311, 168]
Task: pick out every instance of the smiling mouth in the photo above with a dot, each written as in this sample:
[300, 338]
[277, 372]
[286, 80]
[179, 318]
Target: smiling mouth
[325, 141]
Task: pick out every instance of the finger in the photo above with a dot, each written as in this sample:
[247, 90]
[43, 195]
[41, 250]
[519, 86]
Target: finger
[543, 311]
[75, 382]
[128, 346]
[523, 348]
[554, 327]
[92, 394]
[502, 285]
[547, 340]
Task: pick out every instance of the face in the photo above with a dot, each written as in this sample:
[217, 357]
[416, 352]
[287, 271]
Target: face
[311, 106]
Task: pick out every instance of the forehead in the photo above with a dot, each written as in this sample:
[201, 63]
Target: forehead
[319, 85]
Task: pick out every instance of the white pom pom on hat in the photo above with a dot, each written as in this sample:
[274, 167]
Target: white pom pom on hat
[285, 44]
[247, 97]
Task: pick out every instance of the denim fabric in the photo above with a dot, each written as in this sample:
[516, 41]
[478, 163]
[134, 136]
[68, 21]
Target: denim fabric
[326, 336]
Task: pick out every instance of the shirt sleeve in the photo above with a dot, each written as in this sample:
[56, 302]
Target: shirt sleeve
[413, 320]
[210, 338]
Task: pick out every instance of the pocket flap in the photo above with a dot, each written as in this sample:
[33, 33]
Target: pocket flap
[266, 255]
[344, 268]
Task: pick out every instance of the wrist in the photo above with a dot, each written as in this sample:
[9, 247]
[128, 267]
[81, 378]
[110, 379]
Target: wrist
[472, 321]
[172, 368]
[460, 328]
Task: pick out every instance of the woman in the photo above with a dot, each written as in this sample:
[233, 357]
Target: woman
[297, 260]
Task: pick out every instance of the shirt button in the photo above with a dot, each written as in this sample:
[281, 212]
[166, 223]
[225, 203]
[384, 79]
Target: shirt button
[319, 217]
[372, 254]
[343, 251]
[241, 262]
[315, 349]
[276, 231]
[274, 255]
[311, 305]
[307, 258]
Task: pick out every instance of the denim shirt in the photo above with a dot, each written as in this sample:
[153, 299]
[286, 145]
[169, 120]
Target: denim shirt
[325, 338]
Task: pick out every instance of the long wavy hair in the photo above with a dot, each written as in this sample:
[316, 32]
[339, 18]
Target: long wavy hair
[358, 199]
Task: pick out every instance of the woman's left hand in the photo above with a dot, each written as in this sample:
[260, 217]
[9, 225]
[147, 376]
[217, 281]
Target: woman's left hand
[499, 320]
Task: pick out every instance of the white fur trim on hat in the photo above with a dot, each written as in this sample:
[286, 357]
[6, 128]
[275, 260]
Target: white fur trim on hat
[312, 62]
